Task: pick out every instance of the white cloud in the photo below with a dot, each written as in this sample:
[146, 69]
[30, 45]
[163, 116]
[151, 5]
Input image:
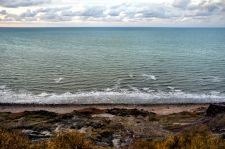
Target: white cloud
[181, 3]
[21, 3]
[177, 13]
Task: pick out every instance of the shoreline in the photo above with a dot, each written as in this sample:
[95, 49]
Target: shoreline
[161, 109]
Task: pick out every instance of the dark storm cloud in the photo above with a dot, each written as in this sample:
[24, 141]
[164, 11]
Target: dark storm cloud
[21, 3]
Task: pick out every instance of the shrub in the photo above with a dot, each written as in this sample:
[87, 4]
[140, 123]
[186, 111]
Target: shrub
[65, 140]
[198, 138]
[13, 140]
[69, 140]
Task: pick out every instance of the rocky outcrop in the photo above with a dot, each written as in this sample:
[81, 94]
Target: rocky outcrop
[127, 112]
[113, 127]
[215, 109]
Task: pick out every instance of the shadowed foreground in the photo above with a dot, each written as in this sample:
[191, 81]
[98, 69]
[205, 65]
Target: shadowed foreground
[199, 138]
[93, 128]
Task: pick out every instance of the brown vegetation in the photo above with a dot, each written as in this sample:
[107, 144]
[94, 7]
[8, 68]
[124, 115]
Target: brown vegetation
[197, 138]
[66, 140]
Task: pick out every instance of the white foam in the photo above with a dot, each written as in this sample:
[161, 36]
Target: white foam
[134, 88]
[44, 94]
[108, 89]
[149, 76]
[58, 80]
[129, 97]
[215, 92]
[131, 75]
[170, 87]
[145, 89]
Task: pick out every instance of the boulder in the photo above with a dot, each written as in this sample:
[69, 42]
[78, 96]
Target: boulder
[215, 109]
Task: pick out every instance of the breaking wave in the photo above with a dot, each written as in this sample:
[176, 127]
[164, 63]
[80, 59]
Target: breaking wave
[58, 80]
[110, 97]
[149, 77]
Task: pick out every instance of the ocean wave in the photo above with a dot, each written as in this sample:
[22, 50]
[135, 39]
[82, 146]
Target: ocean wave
[2, 86]
[214, 79]
[117, 85]
[58, 80]
[149, 76]
[111, 97]
[171, 87]
[133, 88]
[131, 75]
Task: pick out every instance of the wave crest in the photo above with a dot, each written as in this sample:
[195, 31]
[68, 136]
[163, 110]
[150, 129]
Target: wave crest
[149, 76]
[111, 97]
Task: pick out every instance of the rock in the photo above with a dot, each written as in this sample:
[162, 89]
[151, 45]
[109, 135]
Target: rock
[127, 112]
[215, 109]
[41, 113]
[116, 143]
[37, 135]
[105, 139]
[103, 115]
[83, 130]
[89, 111]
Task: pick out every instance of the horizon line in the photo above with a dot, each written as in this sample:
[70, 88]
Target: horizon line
[112, 27]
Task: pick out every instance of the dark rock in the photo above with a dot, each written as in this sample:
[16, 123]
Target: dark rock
[127, 112]
[217, 123]
[37, 135]
[88, 123]
[105, 139]
[215, 109]
[89, 111]
[40, 113]
[96, 124]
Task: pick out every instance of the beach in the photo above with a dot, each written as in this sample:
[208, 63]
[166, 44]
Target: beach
[162, 109]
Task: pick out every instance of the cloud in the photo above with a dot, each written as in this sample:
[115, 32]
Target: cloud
[185, 11]
[3, 12]
[53, 15]
[181, 3]
[42, 14]
[21, 3]
[96, 11]
[156, 11]
[207, 8]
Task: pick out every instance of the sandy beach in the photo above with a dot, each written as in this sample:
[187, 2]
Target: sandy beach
[161, 109]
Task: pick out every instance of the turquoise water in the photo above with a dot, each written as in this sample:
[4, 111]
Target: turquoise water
[112, 65]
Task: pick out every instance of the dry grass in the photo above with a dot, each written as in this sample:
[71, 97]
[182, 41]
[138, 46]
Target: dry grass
[196, 138]
[69, 140]
[13, 140]
[66, 140]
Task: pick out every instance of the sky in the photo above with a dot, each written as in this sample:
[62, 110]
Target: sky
[112, 13]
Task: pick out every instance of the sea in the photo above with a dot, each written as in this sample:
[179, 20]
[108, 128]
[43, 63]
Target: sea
[112, 65]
